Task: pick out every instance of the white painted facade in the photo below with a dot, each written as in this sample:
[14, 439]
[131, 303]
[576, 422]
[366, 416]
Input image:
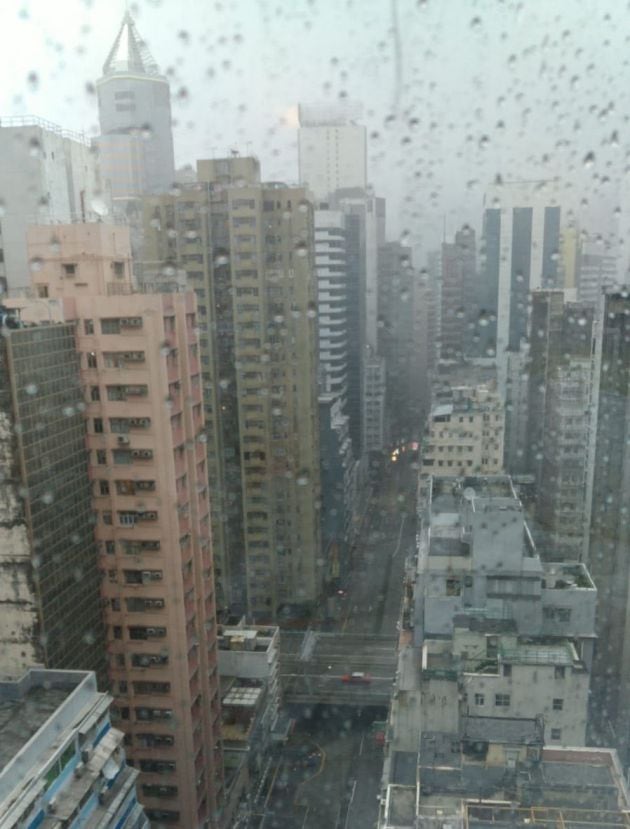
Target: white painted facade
[47, 176]
[332, 150]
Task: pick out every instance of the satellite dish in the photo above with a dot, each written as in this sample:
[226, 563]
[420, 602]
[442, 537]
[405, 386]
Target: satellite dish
[469, 493]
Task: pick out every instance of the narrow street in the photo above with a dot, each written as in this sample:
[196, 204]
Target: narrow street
[329, 773]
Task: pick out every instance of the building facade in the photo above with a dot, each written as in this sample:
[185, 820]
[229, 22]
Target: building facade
[559, 421]
[141, 372]
[464, 433]
[247, 250]
[522, 243]
[609, 527]
[48, 175]
[60, 759]
[332, 149]
[49, 578]
[136, 141]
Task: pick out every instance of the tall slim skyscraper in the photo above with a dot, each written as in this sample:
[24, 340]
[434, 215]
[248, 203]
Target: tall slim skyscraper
[458, 294]
[332, 149]
[559, 421]
[49, 576]
[247, 250]
[141, 371]
[136, 141]
[396, 336]
[522, 240]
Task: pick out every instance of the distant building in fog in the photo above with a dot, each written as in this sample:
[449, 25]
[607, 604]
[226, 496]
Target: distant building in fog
[522, 239]
[597, 270]
[134, 107]
[332, 149]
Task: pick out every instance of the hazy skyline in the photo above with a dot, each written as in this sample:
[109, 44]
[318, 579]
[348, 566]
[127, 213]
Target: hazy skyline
[455, 93]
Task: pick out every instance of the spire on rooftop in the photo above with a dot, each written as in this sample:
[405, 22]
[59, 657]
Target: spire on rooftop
[129, 52]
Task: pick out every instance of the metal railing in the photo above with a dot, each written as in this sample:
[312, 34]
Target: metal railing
[49, 126]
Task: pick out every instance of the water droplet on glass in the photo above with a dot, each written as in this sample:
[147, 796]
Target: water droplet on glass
[99, 206]
[30, 388]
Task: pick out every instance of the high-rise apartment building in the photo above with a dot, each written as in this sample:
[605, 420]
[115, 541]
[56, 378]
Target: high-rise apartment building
[332, 301]
[610, 529]
[338, 467]
[559, 421]
[247, 250]
[47, 175]
[136, 141]
[332, 149]
[459, 294]
[396, 337]
[49, 578]
[141, 371]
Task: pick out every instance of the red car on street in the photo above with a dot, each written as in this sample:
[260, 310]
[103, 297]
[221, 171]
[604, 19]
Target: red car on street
[357, 678]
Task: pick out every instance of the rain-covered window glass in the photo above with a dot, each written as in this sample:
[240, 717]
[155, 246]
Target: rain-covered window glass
[314, 414]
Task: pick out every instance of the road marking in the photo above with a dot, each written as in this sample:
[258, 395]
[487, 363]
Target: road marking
[402, 524]
[313, 776]
[272, 784]
[354, 787]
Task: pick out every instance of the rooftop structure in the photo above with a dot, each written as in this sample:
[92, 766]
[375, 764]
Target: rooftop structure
[250, 703]
[61, 762]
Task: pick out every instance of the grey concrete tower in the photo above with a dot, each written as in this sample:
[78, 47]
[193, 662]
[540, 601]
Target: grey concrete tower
[136, 141]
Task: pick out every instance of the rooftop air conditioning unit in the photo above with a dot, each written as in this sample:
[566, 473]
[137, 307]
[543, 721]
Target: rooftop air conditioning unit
[134, 322]
[52, 805]
[79, 769]
[124, 441]
[146, 453]
[151, 631]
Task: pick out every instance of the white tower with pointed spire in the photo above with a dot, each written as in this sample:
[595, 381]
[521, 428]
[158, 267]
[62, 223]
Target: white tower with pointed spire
[136, 141]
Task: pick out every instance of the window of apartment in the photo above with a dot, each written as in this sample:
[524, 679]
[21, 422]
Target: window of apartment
[91, 360]
[95, 394]
[103, 487]
[88, 326]
[110, 325]
[69, 268]
[556, 733]
[119, 269]
[502, 700]
[453, 587]
[507, 670]
[558, 704]
[480, 699]
[98, 425]
[101, 456]
[559, 672]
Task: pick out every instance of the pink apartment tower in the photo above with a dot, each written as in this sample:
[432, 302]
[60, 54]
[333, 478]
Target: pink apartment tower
[139, 363]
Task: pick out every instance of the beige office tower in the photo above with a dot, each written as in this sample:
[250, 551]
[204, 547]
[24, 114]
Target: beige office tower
[246, 249]
[140, 369]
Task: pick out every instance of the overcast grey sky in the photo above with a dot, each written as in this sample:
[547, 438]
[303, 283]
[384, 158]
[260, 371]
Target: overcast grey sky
[455, 92]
